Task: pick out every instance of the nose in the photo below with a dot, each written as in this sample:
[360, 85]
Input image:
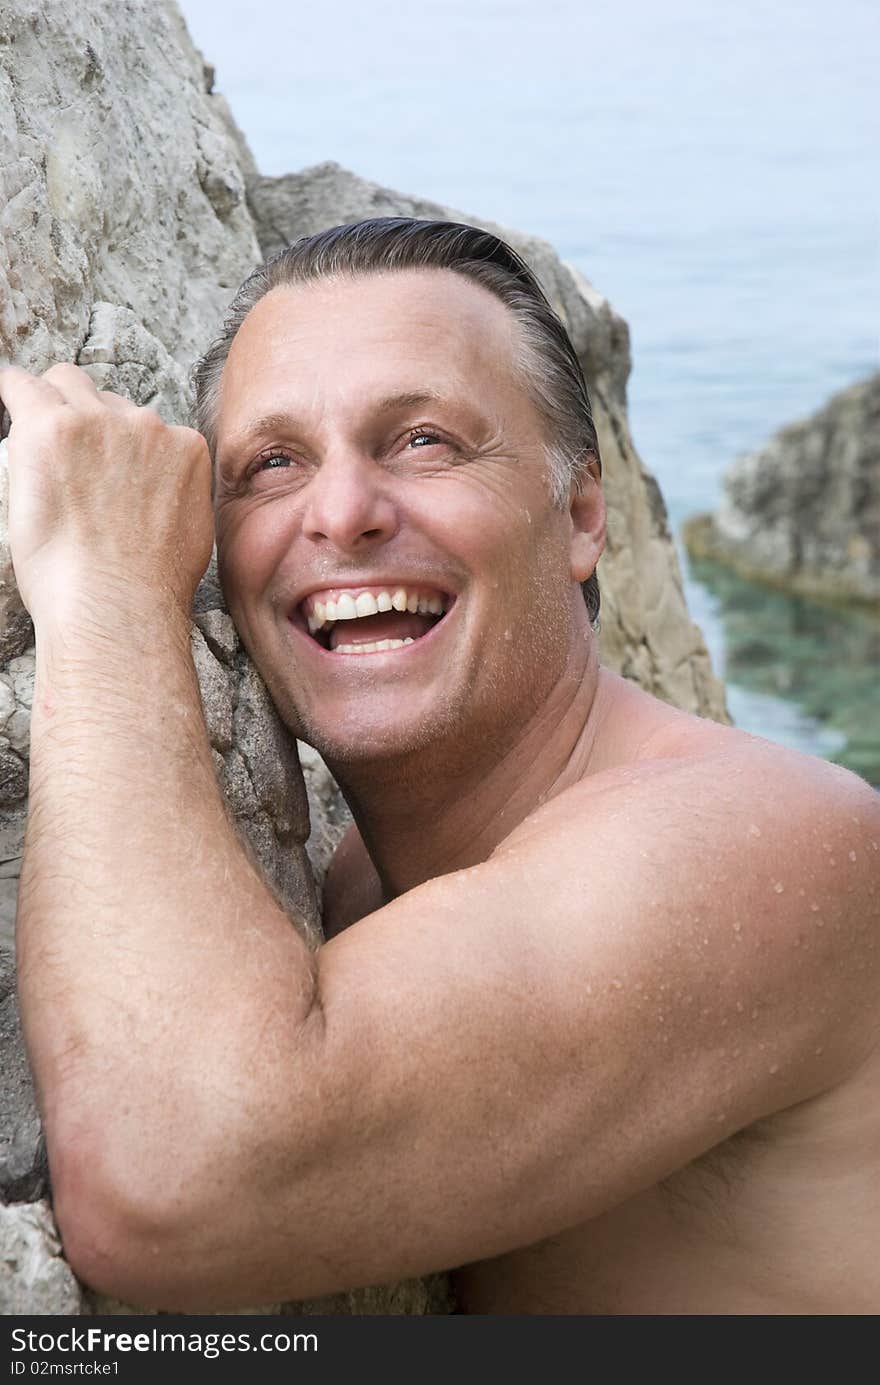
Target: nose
[349, 504]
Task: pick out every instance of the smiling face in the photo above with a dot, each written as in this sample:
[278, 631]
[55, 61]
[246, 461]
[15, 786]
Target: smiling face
[386, 541]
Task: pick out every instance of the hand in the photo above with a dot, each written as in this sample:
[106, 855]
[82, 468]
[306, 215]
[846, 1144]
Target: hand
[104, 498]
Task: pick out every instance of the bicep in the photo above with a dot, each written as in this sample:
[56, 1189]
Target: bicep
[520, 1046]
[516, 1048]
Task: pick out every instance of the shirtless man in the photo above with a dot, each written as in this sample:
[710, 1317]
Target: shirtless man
[597, 1017]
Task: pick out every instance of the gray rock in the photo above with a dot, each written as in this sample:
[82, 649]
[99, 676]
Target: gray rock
[16, 631]
[328, 811]
[121, 355]
[803, 512]
[217, 687]
[22, 1152]
[35, 1279]
[124, 233]
[220, 634]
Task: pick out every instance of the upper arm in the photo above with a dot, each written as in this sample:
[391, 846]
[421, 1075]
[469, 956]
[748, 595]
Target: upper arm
[517, 1047]
[522, 1045]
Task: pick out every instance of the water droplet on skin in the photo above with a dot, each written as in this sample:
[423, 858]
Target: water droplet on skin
[507, 635]
[852, 856]
[832, 861]
[779, 887]
[773, 1070]
[814, 906]
[737, 926]
[820, 923]
[755, 1013]
[819, 1052]
[618, 985]
[589, 990]
[754, 830]
[874, 846]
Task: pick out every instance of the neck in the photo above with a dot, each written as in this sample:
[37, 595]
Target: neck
[435, 814]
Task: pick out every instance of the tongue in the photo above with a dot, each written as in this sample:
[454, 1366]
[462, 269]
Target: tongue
[387, 625]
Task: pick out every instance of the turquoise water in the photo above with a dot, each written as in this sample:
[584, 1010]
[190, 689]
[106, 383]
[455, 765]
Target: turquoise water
[712, 169]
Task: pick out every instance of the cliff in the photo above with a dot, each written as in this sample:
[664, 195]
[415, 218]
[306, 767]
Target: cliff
[803, 511]
[130, 210]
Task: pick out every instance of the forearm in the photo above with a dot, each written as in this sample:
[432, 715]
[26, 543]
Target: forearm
[155, 967]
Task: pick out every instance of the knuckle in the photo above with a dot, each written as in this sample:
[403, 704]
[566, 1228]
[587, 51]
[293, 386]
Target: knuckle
[195, 442]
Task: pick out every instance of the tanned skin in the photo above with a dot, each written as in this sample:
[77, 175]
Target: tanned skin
[596, 1021]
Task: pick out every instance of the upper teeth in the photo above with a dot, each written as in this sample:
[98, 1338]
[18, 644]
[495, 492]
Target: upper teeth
[346, 607]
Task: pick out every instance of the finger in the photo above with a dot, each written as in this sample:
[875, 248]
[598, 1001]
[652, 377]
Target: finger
[117, 402]
[72, 384]
[21, 392]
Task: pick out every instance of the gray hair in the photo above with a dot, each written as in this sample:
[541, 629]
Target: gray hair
[548, 363]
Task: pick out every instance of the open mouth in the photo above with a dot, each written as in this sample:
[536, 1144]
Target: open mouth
[372, 620]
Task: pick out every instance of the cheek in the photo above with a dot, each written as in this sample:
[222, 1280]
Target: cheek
[486, 524]
[249, 547]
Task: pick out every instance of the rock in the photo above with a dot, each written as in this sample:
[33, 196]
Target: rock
[16, 631]
[121, 355]
[35, 1278]
[22, 1151]
[124, 233]
[803, 512]
[328, 811]
[646, 631]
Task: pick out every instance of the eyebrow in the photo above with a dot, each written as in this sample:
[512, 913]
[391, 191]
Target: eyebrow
[390, 403]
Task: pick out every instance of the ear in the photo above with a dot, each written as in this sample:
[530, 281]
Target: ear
[587, 510]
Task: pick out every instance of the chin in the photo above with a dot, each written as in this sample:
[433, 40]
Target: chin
[372, 744]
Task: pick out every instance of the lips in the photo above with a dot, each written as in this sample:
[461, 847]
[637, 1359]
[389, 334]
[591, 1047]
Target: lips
[372, 620]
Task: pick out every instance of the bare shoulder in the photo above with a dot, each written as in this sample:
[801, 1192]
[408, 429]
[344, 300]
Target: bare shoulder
[352, 888]
[722, 835]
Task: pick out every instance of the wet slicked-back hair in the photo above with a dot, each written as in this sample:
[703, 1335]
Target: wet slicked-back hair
[548, 364]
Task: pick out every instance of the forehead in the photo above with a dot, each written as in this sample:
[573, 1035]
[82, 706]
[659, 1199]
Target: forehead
[341, 340]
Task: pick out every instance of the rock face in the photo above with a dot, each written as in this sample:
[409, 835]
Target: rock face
[124, 231]
[646, 632]
[129, 210]
[803, 512]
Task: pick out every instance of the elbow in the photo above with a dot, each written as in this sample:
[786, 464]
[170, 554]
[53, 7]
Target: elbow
[119, 1239]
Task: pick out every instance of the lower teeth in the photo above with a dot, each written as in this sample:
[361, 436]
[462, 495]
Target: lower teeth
[377, 648]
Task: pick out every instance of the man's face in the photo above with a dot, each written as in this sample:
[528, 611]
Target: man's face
[376, 450]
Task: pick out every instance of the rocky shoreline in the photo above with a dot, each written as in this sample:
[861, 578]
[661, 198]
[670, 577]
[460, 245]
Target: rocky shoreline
[802, 513]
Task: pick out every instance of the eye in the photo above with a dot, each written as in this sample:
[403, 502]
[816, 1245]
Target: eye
[275, 459]
[423, 437]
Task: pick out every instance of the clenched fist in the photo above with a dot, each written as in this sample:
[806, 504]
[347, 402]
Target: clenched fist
[104, 498]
